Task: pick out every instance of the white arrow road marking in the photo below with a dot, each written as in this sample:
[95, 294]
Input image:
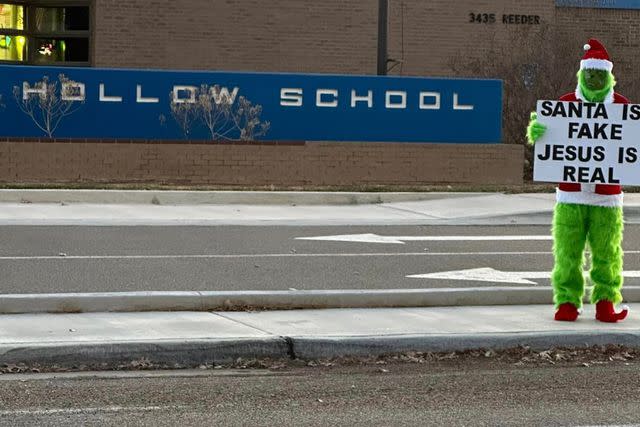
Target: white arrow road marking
[375, 238]
[488, 274]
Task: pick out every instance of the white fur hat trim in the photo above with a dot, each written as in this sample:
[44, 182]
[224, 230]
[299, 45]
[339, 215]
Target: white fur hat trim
[596, 64]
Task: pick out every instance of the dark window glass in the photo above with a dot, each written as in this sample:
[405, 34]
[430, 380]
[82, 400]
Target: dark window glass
[77, 18]
[61, 50]
[52, 19]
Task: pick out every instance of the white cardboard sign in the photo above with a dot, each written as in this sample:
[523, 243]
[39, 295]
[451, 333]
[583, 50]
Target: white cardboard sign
[590, 143]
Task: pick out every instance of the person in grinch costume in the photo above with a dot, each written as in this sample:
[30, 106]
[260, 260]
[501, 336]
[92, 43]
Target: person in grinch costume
[587, 213]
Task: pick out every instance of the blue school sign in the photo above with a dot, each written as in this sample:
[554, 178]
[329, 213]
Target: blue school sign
[170, 105]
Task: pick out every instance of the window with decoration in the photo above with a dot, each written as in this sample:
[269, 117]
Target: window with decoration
[45, 33]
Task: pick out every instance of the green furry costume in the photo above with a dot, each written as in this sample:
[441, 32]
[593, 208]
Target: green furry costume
[582, 217]
[600, 227]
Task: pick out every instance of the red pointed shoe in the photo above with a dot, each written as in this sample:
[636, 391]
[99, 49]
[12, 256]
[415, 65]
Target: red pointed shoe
[567, 312]
[606, 313]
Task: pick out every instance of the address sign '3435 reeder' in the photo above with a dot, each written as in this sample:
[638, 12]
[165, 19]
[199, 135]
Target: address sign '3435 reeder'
[589, 143]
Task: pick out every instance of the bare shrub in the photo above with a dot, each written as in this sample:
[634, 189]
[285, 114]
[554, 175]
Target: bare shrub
[247, 120]
[533, 63]
[224, 117]
[184, 113]
[53, 101]
[215, 111]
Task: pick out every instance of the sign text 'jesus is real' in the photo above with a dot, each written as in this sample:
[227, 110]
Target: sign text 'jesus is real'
[589, 143]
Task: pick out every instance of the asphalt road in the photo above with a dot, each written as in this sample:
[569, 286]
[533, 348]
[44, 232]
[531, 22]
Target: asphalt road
[454, 392]
[59, 259]
[41, 259]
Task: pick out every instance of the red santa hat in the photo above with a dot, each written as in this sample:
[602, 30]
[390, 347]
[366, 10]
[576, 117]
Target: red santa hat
[595, 57]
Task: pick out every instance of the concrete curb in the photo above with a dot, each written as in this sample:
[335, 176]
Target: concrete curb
[331, 347]
[278, 300]
[187, 352]
[270, 300]
[219, 197]
[220, 351]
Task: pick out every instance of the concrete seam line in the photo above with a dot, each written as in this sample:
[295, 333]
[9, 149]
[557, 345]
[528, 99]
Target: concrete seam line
[240, 322]
[201, 298]
[291, 349]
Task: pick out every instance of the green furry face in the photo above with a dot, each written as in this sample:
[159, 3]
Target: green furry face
[595, 79]
[595, 84]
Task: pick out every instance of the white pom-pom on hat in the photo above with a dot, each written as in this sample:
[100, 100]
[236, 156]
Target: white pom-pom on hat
[587, 46]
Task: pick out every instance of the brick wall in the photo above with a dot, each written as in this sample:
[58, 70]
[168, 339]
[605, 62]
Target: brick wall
[334, 35]
[257, 35]
[427, 36]
[435, 31]
[619, 30]
[293, 164]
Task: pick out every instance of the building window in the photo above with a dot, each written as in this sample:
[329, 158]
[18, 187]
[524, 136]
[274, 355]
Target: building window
[13, 44]
[13, 48]
[11, 16]
[45, 32]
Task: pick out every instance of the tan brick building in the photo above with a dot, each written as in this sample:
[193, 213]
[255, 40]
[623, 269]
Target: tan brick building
[335, 36]
[425, 38]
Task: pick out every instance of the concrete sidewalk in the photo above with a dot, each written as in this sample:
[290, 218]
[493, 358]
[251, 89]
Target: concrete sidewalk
[192, 338]
[432, 209]
[441, 208]
[437, 208]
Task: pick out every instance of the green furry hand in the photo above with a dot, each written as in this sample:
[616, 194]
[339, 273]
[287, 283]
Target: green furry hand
[535, 130]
